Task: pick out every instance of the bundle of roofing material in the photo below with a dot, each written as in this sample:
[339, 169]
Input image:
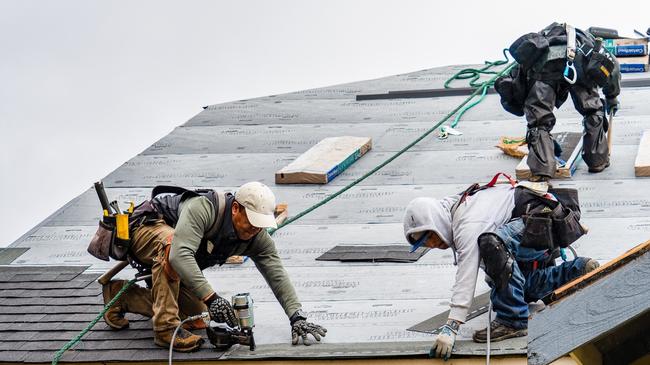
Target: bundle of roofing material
[631, 53]
[571, 145]
[324, 161]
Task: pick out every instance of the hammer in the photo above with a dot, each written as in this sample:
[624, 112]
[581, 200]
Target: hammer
[106, 278]
[609, 133]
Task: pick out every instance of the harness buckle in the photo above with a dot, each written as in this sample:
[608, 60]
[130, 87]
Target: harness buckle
[570, 74]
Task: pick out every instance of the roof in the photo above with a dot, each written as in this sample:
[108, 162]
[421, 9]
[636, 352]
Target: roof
[616, 297]
[361, 304]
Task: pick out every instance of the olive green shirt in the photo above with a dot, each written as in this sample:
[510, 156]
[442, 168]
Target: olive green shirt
[195, 218]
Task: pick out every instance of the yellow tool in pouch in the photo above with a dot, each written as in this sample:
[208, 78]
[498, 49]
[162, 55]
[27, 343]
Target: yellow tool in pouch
[122, 225]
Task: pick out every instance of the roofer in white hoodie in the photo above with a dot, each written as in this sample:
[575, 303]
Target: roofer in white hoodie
[483, 228]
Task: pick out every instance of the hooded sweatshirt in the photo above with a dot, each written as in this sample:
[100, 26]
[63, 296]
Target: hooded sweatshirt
[482, 212]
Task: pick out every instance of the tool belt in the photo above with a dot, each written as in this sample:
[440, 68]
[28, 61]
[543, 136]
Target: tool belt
[112, 240]
[549, 223]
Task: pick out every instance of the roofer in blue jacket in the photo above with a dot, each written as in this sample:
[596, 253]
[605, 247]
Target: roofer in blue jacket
[486, 227]
[558, 61]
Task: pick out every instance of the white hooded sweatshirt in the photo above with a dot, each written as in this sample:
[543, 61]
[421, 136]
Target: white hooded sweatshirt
[479, 213]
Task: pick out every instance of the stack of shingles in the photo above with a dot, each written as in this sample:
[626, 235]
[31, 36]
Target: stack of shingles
[42, 308]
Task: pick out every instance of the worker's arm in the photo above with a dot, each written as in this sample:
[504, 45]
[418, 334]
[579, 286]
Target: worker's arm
[613, 89]
[467, 251]
[196, 216]
[262, 251]
[268, 262]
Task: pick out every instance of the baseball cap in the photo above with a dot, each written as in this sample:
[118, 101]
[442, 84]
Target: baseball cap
[259, 203]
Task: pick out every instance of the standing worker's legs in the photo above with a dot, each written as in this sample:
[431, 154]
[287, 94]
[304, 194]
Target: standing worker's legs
[538, 108]
[595, 151]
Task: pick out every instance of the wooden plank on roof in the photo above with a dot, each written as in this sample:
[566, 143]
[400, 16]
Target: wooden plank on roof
[642, 162]
[601, 271]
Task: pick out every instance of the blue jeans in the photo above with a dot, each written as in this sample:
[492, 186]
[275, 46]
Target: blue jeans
[526, 284]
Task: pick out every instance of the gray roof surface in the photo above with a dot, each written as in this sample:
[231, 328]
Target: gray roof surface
[615, 300]
[360, 303]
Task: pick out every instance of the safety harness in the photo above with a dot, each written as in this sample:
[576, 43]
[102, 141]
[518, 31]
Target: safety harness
[570, 74]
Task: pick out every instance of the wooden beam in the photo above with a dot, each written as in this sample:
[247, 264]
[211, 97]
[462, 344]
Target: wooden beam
[592, 276]
[642, 162]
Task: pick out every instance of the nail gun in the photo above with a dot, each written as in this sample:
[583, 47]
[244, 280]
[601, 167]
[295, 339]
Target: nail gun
[223, 337]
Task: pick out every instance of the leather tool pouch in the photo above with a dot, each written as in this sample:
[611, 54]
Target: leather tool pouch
[108, 242]
[512, 90]
[600, 67]
[538, 232]
[566, 227]
[527, 49]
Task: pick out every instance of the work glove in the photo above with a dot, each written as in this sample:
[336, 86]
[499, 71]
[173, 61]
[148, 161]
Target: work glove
[611, 105]
[221, 311]
[300, 328]
[445, 341]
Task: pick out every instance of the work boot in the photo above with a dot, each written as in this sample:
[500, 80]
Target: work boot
[114, 316]
[599, 168]
[185, 340]
[498, 332]
[136, 299]
[197, 324]
[591, 265]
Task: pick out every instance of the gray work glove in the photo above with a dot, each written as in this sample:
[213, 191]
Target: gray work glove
[444, 343]
[300, 328]
[221, 311]
[611, 105]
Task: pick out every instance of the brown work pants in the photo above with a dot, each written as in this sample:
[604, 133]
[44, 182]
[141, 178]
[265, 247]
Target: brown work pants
[168, 299]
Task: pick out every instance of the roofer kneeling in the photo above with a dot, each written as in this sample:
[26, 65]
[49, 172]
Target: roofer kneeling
[184, 233]
[514, 234]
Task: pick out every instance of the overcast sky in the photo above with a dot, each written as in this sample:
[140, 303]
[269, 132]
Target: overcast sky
[86, 85]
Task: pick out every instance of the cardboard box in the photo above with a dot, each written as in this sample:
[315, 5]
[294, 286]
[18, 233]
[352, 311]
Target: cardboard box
[325, 161]
[633, 64]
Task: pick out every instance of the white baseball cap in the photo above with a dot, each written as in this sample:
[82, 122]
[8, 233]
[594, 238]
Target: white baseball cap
[259, 203]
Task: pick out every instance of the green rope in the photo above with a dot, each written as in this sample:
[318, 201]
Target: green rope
[474, 74]
[77, 338]
[482, 89]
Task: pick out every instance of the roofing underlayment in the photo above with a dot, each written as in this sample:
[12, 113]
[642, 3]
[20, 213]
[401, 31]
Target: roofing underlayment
[366, 307]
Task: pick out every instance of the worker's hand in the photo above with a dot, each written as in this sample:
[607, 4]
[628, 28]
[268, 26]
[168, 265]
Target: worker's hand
[300, 328]
[444, 342]
[611, 105]
[221, 310]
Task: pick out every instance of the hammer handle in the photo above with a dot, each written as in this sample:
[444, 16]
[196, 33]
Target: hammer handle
[104, 279]
[609, 134]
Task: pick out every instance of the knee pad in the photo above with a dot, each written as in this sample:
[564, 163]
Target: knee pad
[497, 259]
